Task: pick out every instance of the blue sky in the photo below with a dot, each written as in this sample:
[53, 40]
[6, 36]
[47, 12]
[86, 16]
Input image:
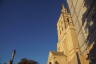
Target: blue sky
[29, 26]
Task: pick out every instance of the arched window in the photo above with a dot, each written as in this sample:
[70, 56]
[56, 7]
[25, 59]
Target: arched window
[62, 28]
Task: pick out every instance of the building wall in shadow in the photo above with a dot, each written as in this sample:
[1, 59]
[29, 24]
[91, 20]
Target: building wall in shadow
[90, 18]
[83, 14]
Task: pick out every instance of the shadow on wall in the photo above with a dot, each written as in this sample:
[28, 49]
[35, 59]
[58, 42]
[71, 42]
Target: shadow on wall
[90, 18]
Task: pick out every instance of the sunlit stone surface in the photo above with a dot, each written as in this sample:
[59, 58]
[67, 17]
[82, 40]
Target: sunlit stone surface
[76, 34]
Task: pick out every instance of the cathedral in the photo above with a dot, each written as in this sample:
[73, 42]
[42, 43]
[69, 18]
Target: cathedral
[67, 47]
[76, 34]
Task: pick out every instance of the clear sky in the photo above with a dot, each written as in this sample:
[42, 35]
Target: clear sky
[29, 26]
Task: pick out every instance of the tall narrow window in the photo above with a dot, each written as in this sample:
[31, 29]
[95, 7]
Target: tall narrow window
[60, 32]
[68, 20]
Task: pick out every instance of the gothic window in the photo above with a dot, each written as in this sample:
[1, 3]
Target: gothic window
[68, 20]
[62, 28]
[60, 32]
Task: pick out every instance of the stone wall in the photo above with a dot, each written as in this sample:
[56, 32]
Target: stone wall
[83, 14]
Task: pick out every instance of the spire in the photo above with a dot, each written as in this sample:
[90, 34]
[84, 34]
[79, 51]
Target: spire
[63, 9]
[63, 6]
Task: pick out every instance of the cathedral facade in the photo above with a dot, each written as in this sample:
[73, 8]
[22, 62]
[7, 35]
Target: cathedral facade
[76, 28]
[67, 47]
